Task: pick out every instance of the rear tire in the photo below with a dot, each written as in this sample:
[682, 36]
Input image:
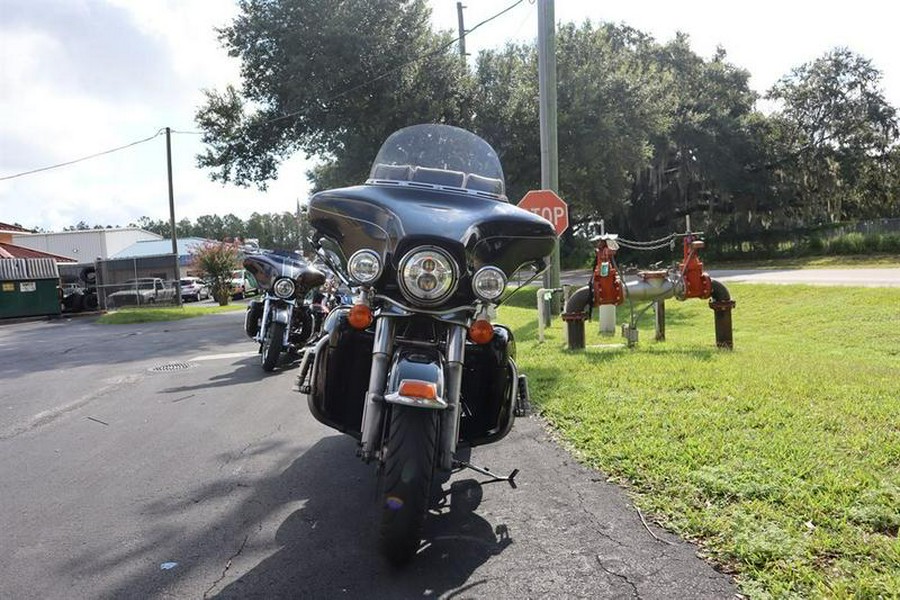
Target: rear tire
[271, 349]
[411, 450]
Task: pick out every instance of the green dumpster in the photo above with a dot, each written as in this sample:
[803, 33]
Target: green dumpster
[28, 287]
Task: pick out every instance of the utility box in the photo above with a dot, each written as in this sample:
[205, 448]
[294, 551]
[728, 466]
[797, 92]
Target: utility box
[28, 287]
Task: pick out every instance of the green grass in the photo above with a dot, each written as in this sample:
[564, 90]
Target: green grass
[126, 316]
[780, 458]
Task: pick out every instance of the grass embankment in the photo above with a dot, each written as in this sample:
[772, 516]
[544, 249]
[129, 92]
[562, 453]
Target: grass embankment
[127, 316]
[812, 262]
[781, 458]
[855, 261]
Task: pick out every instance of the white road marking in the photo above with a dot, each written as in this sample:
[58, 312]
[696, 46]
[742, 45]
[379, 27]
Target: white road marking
[225, 356]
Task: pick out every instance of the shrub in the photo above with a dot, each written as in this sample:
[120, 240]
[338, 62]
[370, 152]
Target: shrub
[815, 244]
[852, 243]
[216, 260]
[890, 243]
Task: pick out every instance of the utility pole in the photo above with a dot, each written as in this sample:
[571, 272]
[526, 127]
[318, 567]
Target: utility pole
[462, 30]
[549, 150]
[172, 217]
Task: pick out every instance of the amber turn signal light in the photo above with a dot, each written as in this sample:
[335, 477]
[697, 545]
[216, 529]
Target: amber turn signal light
[360, 316]
[413, 388]
[481, 331]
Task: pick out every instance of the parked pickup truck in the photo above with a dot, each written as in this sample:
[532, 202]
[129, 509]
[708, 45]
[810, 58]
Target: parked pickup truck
[138, 292]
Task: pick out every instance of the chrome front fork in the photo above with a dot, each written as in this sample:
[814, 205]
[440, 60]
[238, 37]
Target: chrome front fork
[264, 322]
[456, 349]
[373, 410]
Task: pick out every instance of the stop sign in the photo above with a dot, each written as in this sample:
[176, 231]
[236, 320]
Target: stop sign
[545, 203]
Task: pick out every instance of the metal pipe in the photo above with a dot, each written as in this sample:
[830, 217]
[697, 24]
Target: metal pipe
[659, 319]
[579, 301]
[721, 303]
[576, 311]
[720, 293]
[650, 289]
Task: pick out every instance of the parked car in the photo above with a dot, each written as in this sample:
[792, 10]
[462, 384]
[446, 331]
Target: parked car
[194, 288]
[138, 292]
[243, 284]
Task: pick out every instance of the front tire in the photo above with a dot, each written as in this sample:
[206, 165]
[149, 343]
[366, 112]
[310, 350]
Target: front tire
[410, 454]
[272, 345]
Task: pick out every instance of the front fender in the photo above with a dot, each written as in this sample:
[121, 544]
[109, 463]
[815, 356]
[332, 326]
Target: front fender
[416, 366]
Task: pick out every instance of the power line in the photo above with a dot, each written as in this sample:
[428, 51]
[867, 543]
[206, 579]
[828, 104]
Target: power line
[83, 158]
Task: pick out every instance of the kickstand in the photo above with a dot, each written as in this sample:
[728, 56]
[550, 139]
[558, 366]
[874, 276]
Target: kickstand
[510, 479]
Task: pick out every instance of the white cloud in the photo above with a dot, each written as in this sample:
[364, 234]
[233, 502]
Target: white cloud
[83, 77]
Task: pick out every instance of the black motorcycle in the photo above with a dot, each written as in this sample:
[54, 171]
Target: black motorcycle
[281, 320]
[415, 369]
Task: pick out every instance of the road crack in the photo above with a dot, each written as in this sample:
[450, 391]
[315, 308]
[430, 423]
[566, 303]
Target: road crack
[624, 578]
[227, 567]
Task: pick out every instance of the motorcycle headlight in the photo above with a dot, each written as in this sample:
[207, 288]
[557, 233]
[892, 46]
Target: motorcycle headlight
[284, 288]
[488, 283]
[427, 276]
[364, 266]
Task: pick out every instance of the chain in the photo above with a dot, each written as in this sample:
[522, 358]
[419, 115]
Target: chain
[668, 241]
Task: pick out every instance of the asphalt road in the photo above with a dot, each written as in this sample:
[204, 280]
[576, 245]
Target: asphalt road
[214, 481]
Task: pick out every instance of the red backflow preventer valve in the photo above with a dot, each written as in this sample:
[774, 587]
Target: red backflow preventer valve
[607, 286]
[697, 284]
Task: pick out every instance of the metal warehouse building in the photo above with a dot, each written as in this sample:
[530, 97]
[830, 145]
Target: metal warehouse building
[85, 246]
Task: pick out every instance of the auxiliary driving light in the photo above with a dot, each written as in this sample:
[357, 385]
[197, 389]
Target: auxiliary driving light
[364, 266]
[489, 283]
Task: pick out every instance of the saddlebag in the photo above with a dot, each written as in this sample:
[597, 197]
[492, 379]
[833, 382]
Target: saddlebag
[340, 377]
[488, 391]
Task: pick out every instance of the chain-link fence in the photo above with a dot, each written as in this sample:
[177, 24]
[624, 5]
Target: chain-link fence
[117, 283]
[139, 281]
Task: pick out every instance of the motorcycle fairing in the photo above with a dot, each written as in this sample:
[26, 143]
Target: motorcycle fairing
[483, 231]
[268, 266]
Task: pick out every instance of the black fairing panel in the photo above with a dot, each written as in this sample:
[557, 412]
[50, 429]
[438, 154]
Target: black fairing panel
[484, 230]
[269, 266]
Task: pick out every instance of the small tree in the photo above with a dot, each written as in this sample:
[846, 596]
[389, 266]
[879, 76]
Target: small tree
[216, 260]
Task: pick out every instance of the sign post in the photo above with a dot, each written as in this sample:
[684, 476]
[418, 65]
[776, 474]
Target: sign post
[546, 204]
[547, 115]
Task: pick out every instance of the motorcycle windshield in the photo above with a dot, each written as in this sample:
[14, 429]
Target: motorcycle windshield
[439, 157]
